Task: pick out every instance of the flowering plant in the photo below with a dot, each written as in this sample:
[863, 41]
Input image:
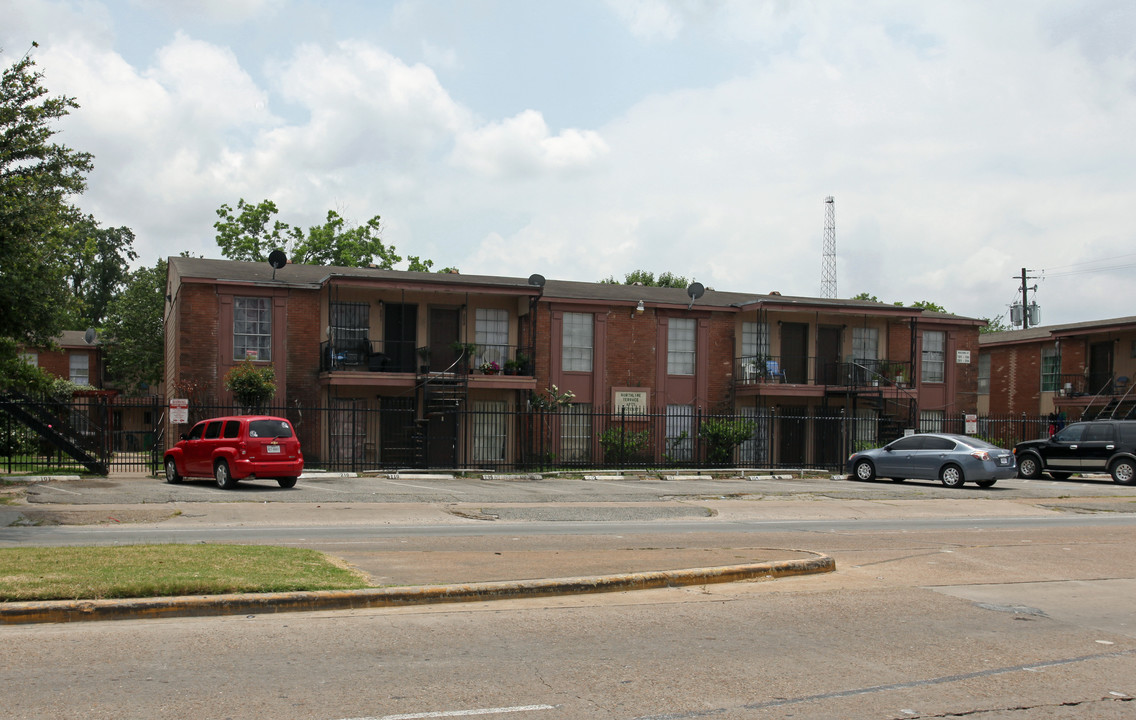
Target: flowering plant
[551, 399]
[490, 367]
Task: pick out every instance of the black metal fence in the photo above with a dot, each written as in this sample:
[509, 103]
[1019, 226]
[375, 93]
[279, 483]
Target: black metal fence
[392, 433]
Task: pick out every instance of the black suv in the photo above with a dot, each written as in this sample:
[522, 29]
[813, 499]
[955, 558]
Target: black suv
[1084, 447]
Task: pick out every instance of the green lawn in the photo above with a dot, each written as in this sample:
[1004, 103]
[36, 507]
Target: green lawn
[74, 573]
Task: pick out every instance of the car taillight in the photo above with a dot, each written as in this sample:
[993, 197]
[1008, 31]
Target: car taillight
[241, 448]
[980, 454]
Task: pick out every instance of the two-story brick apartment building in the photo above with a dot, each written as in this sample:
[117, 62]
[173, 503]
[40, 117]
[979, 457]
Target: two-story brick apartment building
[1080, 369]
[386, 352]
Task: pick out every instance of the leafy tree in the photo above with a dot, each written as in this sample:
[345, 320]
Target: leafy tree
[722, 436]
[97, 264]
[37, 179]
[997, 324]
[929, 306]
[135, 353]
[252, 232]
[646, 277]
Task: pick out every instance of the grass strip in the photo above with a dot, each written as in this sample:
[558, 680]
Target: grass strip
[138, 571]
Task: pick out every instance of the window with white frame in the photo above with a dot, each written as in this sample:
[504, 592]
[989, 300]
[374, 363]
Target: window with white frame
[252, 328]
[491, 333]
[680, 346]
[489, 431]
[983, 373]
[80, 368]
[576, 433]
[1050, 368]
[680, 432]
[934, 356]
[931, 420]
[866, 353]
[576, 352]
[755, 340]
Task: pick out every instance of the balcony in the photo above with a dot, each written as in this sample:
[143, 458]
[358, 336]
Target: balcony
[813, 371]
[406, 357]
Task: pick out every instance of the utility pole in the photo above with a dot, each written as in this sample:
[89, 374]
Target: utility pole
[1026, 313]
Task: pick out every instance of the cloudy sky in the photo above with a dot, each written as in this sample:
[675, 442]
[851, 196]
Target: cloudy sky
[584, 139]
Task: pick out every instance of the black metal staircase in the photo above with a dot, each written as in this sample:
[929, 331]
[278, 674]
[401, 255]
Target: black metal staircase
[56, 429]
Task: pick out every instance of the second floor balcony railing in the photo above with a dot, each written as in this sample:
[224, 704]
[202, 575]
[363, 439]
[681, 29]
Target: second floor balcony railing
[408, 357]
[802, 370]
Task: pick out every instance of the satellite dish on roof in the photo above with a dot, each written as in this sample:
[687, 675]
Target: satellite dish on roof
[90, 336]
[277, 259]
[695, 291]
[536, 280]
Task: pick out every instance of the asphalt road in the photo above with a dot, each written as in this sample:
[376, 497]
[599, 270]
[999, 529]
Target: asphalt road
[1010, 603]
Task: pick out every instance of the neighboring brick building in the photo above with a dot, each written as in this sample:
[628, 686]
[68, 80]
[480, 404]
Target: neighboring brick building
[1080, 369]
[379, 349]
[73, 359]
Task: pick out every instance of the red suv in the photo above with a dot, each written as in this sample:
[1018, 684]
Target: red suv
[229, 449]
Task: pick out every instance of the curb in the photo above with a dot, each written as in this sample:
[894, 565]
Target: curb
[56, 611]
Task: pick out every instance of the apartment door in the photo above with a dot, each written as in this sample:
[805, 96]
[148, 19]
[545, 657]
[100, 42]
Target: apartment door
[400, 330]
[1100, 366]
[828, 355]
[795, 352]
[445, 326]
[792, 433]
[442, 440]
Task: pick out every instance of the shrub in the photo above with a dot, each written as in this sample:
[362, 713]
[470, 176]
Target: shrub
[252, 385]
[722, 436]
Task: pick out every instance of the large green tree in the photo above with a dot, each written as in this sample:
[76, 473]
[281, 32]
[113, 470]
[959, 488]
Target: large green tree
[646, 277]
[135, 353]
[38, 178]
[252, 232]
[97, 265]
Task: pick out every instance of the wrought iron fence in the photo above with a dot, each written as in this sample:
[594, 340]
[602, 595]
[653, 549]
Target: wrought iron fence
[393, 433]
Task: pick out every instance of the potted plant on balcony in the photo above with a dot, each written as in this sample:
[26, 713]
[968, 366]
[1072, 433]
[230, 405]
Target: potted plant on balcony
[524, 364]
[424, 360]
[512, 367]
[490, 367]
[465, 353]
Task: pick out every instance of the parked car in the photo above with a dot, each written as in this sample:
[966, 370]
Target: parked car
[950, 459]
[1084, 447]
[230, 449]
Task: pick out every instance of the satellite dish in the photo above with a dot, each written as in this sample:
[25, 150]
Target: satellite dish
[694, 291]
[536, 280]
[90, 336]
[277, 259]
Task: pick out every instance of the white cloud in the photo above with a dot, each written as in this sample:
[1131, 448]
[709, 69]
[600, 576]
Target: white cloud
[523, 146]
[220, 11]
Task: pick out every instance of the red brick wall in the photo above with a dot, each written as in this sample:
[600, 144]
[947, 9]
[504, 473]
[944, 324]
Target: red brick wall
[1015, 379]
[302, 359]
[195, 347]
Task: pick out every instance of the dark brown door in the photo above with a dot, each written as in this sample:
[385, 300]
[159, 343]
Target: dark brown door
[400, 328]
[828, 354]
[1100, 366]
[444, 326]
[795, 352]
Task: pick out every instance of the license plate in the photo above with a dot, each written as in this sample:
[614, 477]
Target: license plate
[272, 449]
[1003, 460]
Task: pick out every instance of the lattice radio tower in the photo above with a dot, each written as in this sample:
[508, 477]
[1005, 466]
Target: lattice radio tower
[828, 267]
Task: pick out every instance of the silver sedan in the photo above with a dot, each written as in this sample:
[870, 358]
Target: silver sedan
[950, 459]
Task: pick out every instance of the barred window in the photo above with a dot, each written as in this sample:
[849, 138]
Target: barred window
[252, 328]
[934, 356]
[576, 433]
[931, 421]
[680, 432]
[489, 431]
[680, 346]
[1050, 368]
[576, 354]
